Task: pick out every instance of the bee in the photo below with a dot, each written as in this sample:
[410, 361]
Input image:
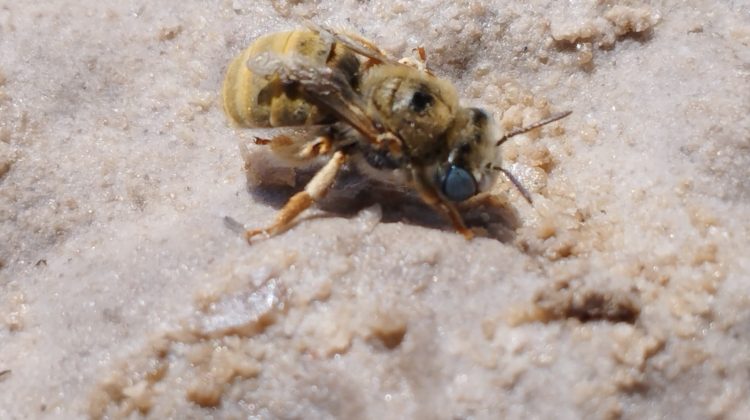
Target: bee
[394, 119]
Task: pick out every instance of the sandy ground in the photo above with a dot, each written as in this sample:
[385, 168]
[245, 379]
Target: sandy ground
[624, 292]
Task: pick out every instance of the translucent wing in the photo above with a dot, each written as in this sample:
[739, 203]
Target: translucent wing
[354, 42]
[327, 88]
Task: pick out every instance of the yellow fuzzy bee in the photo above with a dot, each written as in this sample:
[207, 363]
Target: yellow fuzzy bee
[392, 118]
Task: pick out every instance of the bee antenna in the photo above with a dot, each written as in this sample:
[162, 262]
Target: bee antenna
[524, 192]
[532, 126]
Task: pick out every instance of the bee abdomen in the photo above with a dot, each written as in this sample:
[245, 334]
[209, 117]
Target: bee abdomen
[260, 100]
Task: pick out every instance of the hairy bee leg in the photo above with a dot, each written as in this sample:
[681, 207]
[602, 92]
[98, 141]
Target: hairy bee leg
[314, 190]
[431, 197]
[418, 61]
[285, 146]
[480, 199]
[422, 55]
[262, 141]
[453, 215]
[456, 219]
[318, 147]
[422, 59]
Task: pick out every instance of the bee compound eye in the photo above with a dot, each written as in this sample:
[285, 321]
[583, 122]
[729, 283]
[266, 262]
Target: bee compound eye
[458, 184]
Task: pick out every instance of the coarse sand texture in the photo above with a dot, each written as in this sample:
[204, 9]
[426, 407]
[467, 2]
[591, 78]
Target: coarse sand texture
[622, 291]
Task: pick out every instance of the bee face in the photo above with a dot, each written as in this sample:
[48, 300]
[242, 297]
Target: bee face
[467, 168]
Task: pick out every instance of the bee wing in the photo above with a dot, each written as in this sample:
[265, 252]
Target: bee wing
[325, 87]
[354, 42]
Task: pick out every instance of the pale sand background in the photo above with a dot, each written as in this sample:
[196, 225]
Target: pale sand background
[624, 292]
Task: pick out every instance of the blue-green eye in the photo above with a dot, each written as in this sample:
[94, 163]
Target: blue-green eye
[458, 184]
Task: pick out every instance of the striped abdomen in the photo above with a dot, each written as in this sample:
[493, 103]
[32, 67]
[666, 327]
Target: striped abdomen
[255, 100]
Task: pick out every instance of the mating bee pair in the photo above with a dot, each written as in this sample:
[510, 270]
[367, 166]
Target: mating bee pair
[393, 118]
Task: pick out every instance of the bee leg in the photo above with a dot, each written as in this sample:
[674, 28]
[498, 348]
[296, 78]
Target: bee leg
[314, 190]
[484, 198]
[263, 141]
[421, 59]
[455, 217]
[318, 147]
[431, 197]
[418, 61]
[285, 146]
[422, 55]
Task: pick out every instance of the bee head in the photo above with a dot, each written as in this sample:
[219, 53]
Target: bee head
[467, 168]
[470, 166]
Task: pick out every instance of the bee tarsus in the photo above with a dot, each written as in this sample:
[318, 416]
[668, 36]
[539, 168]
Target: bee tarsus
[314, 190]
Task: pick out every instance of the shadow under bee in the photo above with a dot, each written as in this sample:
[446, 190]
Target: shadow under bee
[273, 184]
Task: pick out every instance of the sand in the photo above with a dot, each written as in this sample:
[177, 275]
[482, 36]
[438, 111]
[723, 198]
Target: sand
[621, 293]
